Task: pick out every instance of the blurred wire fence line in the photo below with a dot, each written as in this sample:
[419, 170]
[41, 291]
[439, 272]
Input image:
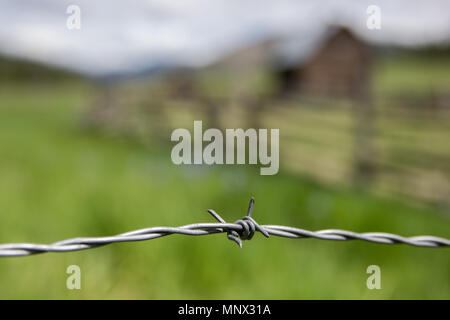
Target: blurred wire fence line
[243, 229]
[388, 136]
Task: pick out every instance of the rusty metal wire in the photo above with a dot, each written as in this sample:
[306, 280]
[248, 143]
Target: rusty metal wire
[242, 229]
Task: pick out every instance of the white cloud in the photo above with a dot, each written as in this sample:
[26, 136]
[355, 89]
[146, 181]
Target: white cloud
[121, 37]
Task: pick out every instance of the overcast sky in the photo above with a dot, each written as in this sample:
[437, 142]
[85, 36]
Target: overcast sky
[120, 37]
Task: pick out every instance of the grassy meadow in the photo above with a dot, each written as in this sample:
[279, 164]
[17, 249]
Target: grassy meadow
[59, 181]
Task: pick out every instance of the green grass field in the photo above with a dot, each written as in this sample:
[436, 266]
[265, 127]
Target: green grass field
[58, 181]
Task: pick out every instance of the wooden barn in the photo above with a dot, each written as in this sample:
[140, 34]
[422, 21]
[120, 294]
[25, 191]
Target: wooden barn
[339, 67]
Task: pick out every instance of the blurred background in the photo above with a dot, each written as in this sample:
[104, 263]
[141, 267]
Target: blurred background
[86, 116]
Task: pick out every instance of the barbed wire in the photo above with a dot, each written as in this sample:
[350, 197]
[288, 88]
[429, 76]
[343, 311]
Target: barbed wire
[243, 229]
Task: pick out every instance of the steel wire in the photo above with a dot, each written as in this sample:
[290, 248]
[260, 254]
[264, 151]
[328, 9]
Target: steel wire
[243, 229]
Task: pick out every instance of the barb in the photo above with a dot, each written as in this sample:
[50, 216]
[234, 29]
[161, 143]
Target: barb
[243, 229]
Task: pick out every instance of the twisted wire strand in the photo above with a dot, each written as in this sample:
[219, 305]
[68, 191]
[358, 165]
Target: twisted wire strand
[243, 229]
